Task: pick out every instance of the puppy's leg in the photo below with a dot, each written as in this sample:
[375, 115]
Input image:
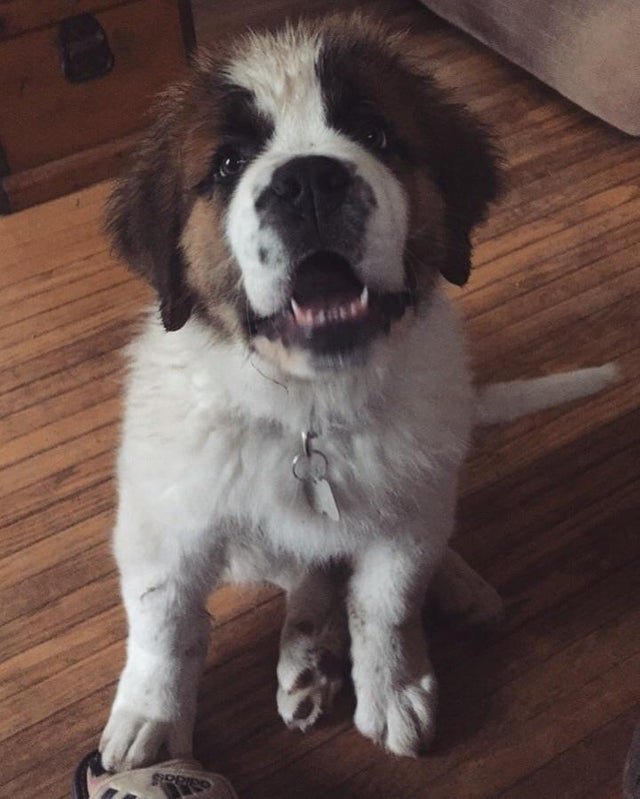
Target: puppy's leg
[394, 682]
[313, 647]
[460, 591]
[154, 709]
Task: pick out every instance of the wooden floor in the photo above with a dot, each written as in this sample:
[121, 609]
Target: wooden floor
[542, 707]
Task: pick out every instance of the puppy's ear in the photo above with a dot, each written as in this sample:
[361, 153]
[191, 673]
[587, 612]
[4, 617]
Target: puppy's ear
[466, 168]
[145, 217]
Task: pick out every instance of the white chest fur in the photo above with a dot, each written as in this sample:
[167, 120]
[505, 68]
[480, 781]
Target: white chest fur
[209, 437]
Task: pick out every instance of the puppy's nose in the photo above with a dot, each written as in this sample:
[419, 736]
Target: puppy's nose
[311, 184]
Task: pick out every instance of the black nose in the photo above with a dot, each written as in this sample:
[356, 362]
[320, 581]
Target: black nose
[311, 184]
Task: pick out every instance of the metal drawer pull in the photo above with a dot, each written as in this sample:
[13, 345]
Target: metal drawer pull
[84, 50]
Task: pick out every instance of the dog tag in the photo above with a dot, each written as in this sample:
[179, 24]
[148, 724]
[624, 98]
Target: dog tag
[320, 498]
[311, 469]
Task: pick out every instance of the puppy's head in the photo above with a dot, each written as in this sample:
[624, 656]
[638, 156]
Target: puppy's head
[303, 192]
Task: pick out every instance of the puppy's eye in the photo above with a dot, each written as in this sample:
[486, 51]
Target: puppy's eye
[230, 164]
[375, 136]
[227, 166]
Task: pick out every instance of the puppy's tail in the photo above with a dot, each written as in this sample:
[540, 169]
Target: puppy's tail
[504, 402]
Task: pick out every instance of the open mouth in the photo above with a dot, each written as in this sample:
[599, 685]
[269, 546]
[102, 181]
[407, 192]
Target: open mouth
[326, 291]
[330, 310]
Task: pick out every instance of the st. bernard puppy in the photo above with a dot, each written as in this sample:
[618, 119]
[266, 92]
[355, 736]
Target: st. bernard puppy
[299, 409]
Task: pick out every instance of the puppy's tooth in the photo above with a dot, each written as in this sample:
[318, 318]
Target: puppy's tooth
[364, 297]
[298, 313]
[344, 312]
[320, 318]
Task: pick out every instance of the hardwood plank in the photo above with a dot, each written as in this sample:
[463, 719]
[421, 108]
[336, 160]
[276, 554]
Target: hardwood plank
[599, 755]
[69, 173]
[97, 411]
[590, 469]
[60, 229]
[68, 460]
[102, 376]
[70, 483]
[554, 238]
[21, 294]
[40, 376]
[544, 704]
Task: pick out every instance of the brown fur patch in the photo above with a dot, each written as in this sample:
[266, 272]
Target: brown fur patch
[211, 271]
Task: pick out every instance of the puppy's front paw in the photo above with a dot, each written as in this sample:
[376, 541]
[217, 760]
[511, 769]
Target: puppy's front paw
[307, 684]
[399, 717]
[131, 740]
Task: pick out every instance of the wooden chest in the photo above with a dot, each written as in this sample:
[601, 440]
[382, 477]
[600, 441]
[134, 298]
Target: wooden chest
[76, 80]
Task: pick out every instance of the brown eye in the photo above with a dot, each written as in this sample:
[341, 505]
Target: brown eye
[230, 165]
[375, 136]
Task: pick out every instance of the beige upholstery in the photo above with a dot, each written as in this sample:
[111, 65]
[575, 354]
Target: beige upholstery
[589, 50]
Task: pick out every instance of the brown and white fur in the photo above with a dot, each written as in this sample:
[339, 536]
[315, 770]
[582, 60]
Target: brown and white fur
[315, 155]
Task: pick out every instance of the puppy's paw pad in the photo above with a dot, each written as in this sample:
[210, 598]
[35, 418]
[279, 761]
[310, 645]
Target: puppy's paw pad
[400, 719]
[304, 695]
[300, 711]
[131, 740]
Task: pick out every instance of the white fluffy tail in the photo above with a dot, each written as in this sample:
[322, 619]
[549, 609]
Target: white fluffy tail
[503, 402]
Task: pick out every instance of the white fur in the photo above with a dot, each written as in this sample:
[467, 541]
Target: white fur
[205, 423]
[504, 402]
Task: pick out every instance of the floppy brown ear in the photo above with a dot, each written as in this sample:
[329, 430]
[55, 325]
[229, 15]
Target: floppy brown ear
[466, 168]
[145, 217]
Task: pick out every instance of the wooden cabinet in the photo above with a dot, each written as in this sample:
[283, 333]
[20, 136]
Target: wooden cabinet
[76, 80]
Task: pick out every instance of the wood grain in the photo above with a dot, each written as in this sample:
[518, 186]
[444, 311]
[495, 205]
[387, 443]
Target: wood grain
[542, 706]
[41, 183]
